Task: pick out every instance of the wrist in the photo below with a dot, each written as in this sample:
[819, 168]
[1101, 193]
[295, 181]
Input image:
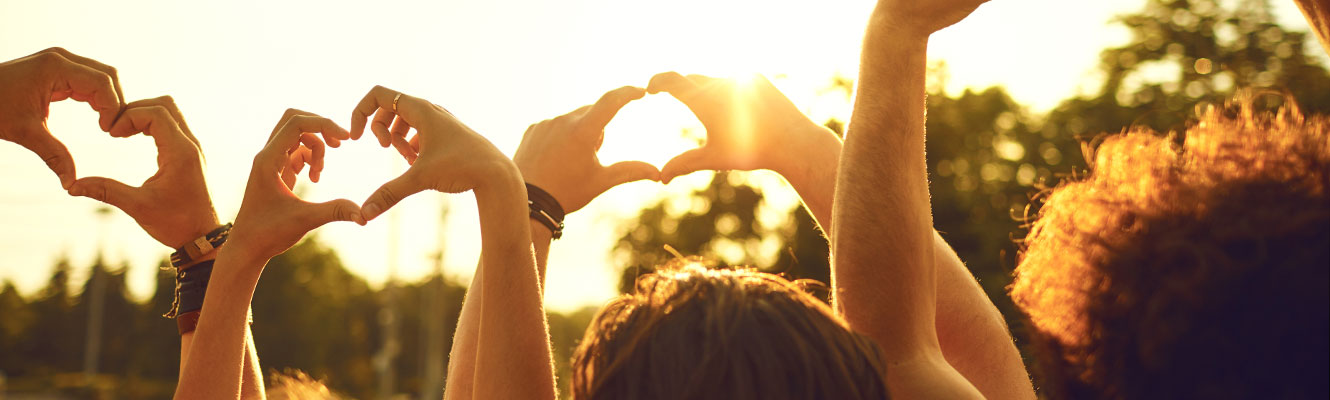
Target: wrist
[818, 149]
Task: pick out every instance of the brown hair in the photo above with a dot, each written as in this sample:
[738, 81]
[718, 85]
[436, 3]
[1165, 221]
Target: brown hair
[1188, 266]
[690, 332]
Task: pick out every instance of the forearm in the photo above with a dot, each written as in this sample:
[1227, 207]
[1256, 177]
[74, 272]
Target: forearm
[513, 341]
[462, 357]
[974, 337]
[540, 243]
[882, 247]
[216, 357]
[251, 383]
[1318, 18]
[811, 170]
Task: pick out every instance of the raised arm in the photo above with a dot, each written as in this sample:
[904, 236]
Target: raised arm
[751, 124]
[512, 349]
[271, 220]
[882, 245]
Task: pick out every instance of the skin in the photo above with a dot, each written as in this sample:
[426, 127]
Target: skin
[270, 221]
[502, 329]
[1318, 17]
[774, 135]
[27, 87]
[883, 183]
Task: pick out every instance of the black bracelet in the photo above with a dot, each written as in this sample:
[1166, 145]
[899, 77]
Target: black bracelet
[190, 286]
[545, 209]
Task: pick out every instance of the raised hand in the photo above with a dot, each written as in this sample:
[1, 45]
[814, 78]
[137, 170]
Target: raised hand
[173, 205]
[924, 17]
[27, 87]
[271, 217]
[559, 155]
[750, 125]
[445, 155]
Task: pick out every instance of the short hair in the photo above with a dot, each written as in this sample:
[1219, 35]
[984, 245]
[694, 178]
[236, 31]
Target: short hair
[692, 332]
[1190, 266]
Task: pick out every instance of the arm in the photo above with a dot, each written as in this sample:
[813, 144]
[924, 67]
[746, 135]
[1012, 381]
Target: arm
[556, 155]
[971, 332]
[271, 220]
[1318, 17]
[505, 336]
[885, 279]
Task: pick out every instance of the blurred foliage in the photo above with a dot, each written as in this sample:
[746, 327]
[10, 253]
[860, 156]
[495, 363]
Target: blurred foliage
[987, 157]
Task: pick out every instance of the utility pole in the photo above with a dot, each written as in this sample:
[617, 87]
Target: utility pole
[386, 359]
[434, 317]
[92, 344]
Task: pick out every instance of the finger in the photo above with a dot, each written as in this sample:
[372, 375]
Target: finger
[294, 165]
[290, 135]
[390, 193]
[400, 127]
[87, 84]
[106, 190]
[609, 104]
[408, 107]
[405, 149]
[157, 122]
[686, 163]
[316, 150]
[627, 171]
[97, 65]
[52, 152]
[382, 119]
[415, 143]
[168, 103]
[319, 214]
[673, 83]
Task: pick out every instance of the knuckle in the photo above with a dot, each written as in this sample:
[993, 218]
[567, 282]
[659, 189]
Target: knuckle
[165, 101]
[56, 50]
[50, 59]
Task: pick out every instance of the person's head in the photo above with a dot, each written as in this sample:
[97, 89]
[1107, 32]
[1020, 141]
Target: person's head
[1191, 268]
[690, 332]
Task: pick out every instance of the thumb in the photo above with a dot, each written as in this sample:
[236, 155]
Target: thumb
[106, 190]
[319, 214]
[389, 194]
[627, 171]
[53, 152]
[686, 163]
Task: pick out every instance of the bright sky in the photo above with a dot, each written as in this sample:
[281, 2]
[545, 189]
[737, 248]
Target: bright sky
[233, 67]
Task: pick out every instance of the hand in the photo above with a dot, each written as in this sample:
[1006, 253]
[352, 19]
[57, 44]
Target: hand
[922, 18]
[445, 155]
[750, 125]
[173, 205]
[271, 218]
[559, 155]
[27, 87]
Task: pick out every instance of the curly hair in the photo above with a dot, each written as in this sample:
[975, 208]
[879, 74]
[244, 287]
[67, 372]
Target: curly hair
[1187, 266]
[691, 332]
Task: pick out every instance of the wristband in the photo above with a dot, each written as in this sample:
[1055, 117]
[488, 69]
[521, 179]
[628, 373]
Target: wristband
[190, 286]
[545, 210]
[198, 247]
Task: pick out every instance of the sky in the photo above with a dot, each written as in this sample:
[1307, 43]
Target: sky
[234, 67]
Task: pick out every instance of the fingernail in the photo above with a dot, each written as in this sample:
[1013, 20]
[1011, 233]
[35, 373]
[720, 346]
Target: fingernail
[359, 219]
[370, 211]
[75, 191]
[66, 182]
